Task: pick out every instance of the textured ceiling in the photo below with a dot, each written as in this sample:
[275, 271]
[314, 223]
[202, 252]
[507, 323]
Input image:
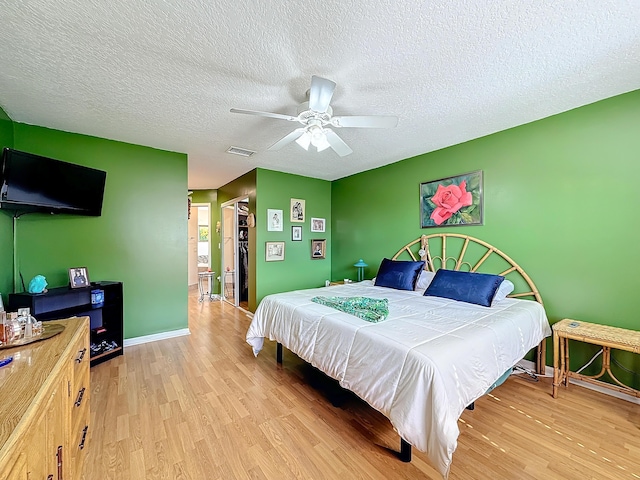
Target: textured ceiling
[166, 73]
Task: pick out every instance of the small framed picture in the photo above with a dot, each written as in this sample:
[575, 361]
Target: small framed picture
[274, 251]
[274, 220]
[296, 233]
[297, 210]
[318, 248]
[317, 224]
[79, 277]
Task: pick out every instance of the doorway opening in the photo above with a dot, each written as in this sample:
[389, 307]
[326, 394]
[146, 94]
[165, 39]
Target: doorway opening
[199, 256]
[235, 252]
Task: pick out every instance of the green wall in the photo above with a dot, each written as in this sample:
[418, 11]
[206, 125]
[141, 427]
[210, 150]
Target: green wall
[244, 186]
[269, 189]
[6, 224]
[560, 197]
[298, 270]
[210, 197]
[140, 239]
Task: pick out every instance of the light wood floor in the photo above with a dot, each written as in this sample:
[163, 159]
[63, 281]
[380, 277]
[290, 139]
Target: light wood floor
[202, 407]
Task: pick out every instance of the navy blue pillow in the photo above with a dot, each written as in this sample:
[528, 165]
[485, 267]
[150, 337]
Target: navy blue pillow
[477, 288]
[398, 274]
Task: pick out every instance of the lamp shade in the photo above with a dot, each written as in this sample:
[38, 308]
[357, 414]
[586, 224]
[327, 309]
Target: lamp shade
[360, 266]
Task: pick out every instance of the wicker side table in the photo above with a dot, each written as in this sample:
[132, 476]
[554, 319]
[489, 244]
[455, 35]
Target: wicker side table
[603, 335]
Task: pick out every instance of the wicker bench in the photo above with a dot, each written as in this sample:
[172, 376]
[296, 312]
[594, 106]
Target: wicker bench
[605, 336]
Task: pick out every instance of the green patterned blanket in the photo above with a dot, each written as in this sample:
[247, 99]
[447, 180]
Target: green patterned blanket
[370, 309]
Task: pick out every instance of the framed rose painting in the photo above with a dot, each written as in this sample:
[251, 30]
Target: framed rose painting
[452, 201]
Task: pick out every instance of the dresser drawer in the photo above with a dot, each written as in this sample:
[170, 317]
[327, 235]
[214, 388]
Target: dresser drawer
[78, 438]
[80, 432]
[80, 358]
[78, 405]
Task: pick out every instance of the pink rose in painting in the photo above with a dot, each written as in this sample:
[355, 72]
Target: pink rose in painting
[449, 200]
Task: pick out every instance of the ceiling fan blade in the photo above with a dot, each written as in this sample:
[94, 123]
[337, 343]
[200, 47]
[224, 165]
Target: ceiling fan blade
[365, 121]
[320, 93]
[337, 143]
[265, 114]
[287, 139]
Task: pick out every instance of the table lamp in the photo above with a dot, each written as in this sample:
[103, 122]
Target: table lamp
[360, 266]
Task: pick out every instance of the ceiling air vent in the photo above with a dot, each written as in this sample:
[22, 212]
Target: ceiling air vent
[243, 152]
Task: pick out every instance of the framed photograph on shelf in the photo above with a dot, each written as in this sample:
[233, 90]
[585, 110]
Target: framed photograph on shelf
[318, 248]
[79, 277]
[274, 251]
[274, 220]
[296, 233]
[317, 224]
[297, 210]
[452, 201]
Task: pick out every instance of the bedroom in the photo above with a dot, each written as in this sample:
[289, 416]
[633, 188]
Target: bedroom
[561, 199]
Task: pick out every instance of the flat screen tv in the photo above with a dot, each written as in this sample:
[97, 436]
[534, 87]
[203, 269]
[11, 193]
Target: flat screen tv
[31, 183]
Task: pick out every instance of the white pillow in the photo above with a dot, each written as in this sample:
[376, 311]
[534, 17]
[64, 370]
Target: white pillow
[505, 288]
[424, 279]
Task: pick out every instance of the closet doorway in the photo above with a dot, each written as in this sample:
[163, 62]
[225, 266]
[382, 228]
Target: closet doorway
[234, 281]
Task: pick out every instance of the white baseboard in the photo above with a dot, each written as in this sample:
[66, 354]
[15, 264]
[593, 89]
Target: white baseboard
[529, 365]
[128, 342]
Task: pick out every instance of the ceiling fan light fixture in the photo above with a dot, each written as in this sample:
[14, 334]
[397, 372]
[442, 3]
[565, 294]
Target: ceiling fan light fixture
[304, 140]
[322, 143]
[318, 136]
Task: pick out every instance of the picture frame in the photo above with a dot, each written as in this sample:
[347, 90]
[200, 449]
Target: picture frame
[79, 277]
[452, 201]
[297, 210]
[318, 224]
[274, 252]
[274, 220]
[296, 233]
[318, 248]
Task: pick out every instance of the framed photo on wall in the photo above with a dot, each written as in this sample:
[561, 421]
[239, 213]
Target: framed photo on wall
[274, 251]
[79, 277]
[297, 210]
[317, 224]
[296, 233]
[452, 201]
[318, 248]
[274, 220]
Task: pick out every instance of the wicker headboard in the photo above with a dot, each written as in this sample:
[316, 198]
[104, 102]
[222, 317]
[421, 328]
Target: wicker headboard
[462, 252]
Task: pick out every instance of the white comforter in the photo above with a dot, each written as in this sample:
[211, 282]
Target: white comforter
[421, 367]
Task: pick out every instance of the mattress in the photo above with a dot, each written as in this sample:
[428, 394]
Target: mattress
[431, 357]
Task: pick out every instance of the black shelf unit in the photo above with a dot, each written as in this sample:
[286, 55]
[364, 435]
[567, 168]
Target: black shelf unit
[64, 302]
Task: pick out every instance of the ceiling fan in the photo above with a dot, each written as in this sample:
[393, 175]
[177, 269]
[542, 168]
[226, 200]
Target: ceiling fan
[316, 116]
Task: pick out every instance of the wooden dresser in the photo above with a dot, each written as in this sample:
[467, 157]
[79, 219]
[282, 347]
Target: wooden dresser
[44, 406]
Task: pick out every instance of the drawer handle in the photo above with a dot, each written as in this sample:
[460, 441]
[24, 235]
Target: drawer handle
[59, 455]
[80, 395]
[84, 436]
[50, 477]
[81, 355]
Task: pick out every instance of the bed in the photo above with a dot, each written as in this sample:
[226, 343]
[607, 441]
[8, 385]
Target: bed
[432, 356]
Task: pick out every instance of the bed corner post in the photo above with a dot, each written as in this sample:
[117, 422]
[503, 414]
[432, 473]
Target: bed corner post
[405, 451]
[541, 357]
[279, 353]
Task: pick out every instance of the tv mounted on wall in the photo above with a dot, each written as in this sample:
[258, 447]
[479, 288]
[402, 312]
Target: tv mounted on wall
[31, 183]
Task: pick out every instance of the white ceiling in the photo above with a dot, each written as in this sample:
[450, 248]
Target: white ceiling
[164, 73]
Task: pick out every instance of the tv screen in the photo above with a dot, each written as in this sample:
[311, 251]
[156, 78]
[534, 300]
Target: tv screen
[34, 183]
